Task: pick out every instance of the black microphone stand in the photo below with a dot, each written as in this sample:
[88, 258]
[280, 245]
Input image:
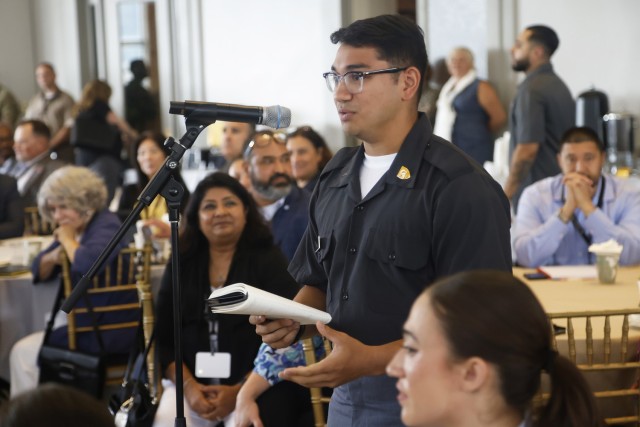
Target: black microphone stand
[164, 184]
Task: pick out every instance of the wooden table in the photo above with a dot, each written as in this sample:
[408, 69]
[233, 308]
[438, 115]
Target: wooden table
[589, 295]
[586, 294]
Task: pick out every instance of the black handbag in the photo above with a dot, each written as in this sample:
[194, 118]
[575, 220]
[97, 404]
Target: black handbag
[94, 134]
[78, 369]
[133, 405]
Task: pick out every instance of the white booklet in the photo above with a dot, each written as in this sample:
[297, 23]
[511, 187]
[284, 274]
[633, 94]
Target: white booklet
[569, 271]
[240, 298]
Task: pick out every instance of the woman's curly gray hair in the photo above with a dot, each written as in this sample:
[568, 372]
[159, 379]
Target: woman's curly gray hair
[75, 187]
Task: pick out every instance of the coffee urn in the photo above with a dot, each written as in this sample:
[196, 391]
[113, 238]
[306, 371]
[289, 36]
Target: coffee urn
[619, 130]
[591, 106]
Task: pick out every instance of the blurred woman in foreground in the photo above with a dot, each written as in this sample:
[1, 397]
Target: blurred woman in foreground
[475, 346]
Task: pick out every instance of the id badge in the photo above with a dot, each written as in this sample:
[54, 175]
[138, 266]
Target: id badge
[217, 365]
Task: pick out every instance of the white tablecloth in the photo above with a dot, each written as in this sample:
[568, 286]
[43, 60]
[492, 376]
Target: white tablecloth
[24, 308]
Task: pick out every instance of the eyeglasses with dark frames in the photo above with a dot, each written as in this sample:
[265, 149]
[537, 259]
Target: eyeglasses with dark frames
[354, 80]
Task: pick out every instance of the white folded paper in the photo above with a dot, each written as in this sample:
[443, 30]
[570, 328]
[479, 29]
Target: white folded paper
[240, 298]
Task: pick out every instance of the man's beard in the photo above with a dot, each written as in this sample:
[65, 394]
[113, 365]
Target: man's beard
[521, 65]
[270, 191]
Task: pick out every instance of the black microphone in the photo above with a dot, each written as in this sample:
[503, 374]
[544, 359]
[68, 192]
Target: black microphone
[275, 116]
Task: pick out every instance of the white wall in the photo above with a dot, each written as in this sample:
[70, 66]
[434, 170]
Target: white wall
[56, 40]
[598, 41]
[274, 55]
[598, 46]
[262, 53]
[34, 31]
[453, 23]
[16, 49]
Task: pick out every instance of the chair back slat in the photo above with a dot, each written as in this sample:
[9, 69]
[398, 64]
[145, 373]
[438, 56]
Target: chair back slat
[318, 400]
[589, 330]
[572, 340]
[624, 341]
[132, 266]
[605, 329]
[34, 224]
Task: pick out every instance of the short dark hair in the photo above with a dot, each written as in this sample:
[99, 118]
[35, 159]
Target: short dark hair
[256, 232]
[38, 127]
[579, 134]
[494, 316]
[397, 39]
[545, 37]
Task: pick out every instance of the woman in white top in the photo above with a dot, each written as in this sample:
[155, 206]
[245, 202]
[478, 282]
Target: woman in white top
[475, 346]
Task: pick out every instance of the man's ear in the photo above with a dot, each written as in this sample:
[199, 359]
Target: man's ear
[411, 83]
[474, 374]
[539, 52]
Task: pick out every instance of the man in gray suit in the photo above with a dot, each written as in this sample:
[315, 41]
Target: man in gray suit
[32, 164]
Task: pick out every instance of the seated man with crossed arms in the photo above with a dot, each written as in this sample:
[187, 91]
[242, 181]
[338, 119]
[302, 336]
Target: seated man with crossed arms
[560, 216]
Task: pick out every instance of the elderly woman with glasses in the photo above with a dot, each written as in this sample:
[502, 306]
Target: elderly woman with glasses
[309, 154]
[74, 198]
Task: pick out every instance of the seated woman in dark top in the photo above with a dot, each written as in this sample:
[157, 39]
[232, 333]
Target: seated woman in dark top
[74, 198]
[309, 155]
[150, 154]
[224, 240]
[94, 115]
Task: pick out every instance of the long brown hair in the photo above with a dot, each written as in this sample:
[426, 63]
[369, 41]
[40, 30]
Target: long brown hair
[95, 90]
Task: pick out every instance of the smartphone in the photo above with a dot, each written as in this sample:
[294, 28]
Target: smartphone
[536, 275]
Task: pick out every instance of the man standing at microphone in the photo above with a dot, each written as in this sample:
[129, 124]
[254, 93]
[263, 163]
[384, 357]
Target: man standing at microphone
[386, 219]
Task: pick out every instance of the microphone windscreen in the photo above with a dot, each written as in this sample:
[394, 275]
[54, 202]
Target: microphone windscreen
[276, 117]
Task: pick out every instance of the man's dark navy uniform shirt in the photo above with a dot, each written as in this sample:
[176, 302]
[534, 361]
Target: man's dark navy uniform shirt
[433, 213]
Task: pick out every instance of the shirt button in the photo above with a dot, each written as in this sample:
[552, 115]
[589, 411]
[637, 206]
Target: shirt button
[392, 257]
[352, 250]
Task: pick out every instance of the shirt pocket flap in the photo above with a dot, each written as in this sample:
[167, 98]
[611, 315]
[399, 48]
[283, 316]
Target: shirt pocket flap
[401, 251]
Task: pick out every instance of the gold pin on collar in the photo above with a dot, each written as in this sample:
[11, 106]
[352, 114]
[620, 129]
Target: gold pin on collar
[404, 173]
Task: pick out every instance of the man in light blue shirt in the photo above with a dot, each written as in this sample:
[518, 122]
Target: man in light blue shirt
[559, 217]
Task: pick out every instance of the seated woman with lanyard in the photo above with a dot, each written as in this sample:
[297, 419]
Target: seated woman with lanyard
[224, 240]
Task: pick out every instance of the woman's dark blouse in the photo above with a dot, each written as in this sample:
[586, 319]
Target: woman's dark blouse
[95, 238]
[264, 268]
